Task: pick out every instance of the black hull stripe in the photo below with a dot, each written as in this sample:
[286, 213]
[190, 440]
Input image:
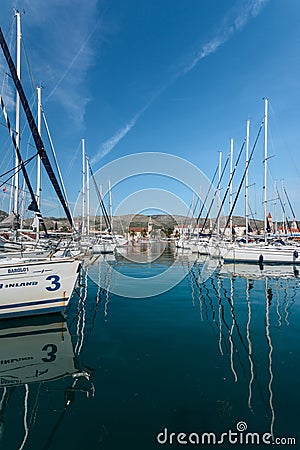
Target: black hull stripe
[38, 302]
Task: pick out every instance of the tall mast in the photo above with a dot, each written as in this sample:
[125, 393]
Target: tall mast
[265, 165]
[110, 203]
[219, 192]
[38, 170]
[87, 197]
[247, 179]
[275, 207]
[17, 125]
[101, 216]
[230, 187]
[34, 131]
[284, 221]
[83, 186]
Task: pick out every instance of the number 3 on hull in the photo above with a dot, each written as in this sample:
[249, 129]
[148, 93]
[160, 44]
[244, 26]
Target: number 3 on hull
[30, 286]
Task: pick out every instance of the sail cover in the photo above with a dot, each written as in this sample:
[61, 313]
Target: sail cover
[34, 130]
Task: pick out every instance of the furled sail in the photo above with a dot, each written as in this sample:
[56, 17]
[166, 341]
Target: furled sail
[33, 205]
[34, 130]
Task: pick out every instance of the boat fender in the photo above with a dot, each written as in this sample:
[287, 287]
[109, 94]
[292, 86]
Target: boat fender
[296, 254]
[261, 259]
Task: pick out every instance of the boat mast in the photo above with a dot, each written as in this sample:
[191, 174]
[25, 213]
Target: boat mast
[83, 186]
[34, 131]
[219, 193]
[247, 180]
[101, 216]
[33, 206]
[265, 165]
[230, 188]
[87, 197]
[275, 207]
[38, 171]
[284, 221]
[110, 203]
[17, 124]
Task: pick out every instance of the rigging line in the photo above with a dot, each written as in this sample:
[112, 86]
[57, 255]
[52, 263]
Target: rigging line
[6, 160]
[9, 32]
[104, 212]
[28, 64]
[283, 209]
[55, 159]
[253, 218]
[290, 205]
[186, 217]
[243, 177]
[215, 194]
[4, 125]
[19, 165]
[230, 181]
[195, 206]
[206, 197]
[33, 206]
[72, 62]
[71, 163]
[35, 133]
[10, 27]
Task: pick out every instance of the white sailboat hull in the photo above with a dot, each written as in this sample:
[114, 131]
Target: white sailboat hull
[36, 286]
[104, 247]
[285, 254]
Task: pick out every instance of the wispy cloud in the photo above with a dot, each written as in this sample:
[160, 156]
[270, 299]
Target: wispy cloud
[108, 145]
[235, 20]
[61, 45]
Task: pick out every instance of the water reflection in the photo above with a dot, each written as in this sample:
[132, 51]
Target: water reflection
[200, 357]
[241, 311]
[35, 354]
[241, 334]
[245, 304]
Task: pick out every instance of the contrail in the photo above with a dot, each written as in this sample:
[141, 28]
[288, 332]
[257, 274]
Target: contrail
[72, 62]
[108, 145]
[251, 10]
[225, 33]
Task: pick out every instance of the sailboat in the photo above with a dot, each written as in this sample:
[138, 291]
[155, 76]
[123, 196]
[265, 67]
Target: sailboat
[268, 251]
[34, 285]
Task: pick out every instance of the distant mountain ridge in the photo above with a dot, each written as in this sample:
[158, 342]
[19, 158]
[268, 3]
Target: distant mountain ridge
[122, 223]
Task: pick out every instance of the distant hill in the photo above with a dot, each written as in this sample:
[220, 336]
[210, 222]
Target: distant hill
[167, 221]
[122, 223]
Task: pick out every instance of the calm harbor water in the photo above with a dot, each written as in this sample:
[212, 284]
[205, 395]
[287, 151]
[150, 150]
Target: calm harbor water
[215, 356]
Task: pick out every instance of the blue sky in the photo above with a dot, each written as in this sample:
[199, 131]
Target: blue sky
[178, 77]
